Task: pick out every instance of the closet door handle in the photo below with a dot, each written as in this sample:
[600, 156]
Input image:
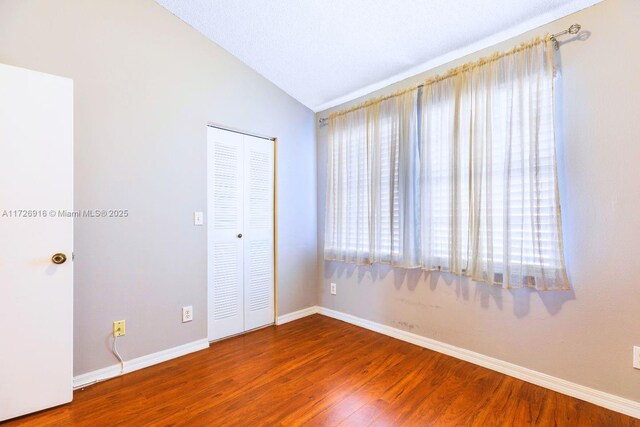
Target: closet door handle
[239, 235]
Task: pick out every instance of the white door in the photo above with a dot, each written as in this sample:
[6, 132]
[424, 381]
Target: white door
[258, 232]
[225, 222]
[36, 294]
[240, 233]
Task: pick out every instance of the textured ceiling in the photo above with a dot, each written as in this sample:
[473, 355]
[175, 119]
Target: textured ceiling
[325, 52]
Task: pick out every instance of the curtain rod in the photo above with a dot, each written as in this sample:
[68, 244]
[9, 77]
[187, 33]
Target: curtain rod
[574, 29]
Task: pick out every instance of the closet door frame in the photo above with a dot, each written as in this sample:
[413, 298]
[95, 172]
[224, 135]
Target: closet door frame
[274, 141]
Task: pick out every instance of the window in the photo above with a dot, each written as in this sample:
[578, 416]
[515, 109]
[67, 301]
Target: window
[458, 175]
[372, 165]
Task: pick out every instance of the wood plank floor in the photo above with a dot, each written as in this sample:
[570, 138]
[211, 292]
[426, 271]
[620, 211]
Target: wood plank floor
[319, 371]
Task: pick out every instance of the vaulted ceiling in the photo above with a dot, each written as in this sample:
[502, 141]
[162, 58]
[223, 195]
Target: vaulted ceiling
[325, 52]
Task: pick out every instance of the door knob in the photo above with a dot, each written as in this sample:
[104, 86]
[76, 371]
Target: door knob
[59, 258]
[240, 236]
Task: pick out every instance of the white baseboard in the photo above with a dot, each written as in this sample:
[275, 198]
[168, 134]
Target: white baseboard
[289, 317]
[112, 371]
[600, 398]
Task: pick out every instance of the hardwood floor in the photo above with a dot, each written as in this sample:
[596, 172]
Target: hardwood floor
[319, 371]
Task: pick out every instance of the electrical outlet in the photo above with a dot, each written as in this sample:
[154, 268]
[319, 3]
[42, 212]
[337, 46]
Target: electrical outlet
[334, 289]
[118, 328]
[636, 357]
[187, 314]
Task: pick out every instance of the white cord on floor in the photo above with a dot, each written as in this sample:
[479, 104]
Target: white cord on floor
[114, 348]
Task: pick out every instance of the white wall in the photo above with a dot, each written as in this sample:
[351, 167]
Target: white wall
[146, 84]
[585, 336]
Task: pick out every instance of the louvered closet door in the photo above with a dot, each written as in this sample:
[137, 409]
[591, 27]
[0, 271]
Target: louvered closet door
[258, 232]
[225, 221]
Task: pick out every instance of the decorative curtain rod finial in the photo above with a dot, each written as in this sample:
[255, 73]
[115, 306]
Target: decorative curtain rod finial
[574, 29]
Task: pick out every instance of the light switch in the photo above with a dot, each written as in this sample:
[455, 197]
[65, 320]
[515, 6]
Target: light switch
[198, 218]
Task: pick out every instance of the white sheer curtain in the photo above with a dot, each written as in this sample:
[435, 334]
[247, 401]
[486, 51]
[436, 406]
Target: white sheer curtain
[348, 217]
[372, 193]
[457, 176]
